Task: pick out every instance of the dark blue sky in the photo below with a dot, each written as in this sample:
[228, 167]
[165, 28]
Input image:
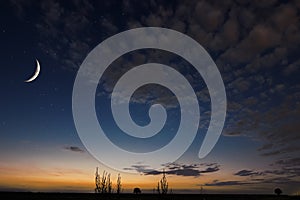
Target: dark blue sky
[255, 45]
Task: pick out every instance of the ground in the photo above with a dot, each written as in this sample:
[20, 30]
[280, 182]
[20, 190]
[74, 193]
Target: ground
[77, 196]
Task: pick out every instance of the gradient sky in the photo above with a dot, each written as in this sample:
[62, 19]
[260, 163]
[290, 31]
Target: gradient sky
[255, 45]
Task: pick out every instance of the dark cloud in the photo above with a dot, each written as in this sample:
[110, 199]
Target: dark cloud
[290, 164]
[74, 148]
[194, 170]
[243, 38]
[267, 178]
[284, 172]
[239, 32]
[291, 68]
[67, 31]
[285, 150]
[248, 173]
[266, 181]
[227, 183]
[279, 133]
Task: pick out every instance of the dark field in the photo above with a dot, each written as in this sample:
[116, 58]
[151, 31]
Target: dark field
[70, 196]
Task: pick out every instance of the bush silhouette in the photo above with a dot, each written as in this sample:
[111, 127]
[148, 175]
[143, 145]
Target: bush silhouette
[137, 191]
[278, 191]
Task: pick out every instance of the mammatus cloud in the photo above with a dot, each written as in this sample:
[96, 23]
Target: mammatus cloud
[194, 170]
[74, 149]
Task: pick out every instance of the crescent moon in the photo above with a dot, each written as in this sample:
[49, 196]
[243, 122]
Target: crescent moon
[36, 73]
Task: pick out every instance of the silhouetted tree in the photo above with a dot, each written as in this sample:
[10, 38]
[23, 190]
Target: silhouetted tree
[164, 184]
[201, 190]
[103, 185]
[97, 182]
[137, 191]
[158, 188]
[278, 191]
[119, 185]
[109, 184]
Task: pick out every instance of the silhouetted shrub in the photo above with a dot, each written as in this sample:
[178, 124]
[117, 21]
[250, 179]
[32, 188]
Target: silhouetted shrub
[137, 191]
[278, 191]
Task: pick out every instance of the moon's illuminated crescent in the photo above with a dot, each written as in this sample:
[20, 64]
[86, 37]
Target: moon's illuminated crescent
[37, 71]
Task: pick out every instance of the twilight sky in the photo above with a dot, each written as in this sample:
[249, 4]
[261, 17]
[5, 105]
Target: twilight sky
[255, 45]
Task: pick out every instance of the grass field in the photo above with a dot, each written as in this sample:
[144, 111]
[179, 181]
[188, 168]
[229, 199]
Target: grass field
[86, 196]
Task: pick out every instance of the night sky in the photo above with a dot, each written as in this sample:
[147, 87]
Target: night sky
[255, 45]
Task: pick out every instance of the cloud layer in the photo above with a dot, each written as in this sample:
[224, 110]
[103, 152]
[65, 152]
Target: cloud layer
[74, 149]
[193, 170]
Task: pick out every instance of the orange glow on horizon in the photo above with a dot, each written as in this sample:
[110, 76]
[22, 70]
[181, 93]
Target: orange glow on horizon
[43, 177]
[86, 184]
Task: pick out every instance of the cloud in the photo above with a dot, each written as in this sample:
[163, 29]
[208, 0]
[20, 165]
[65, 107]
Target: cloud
[193, 170]
[67, 32]
[266, 178]
[272, 124]
[284, 171]
[266, 181]
[285, 150]
[227, 183]
[248, 173]
[238, 32]
[251, 44]
[291, 68]
[291, 165]
[74, 149]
